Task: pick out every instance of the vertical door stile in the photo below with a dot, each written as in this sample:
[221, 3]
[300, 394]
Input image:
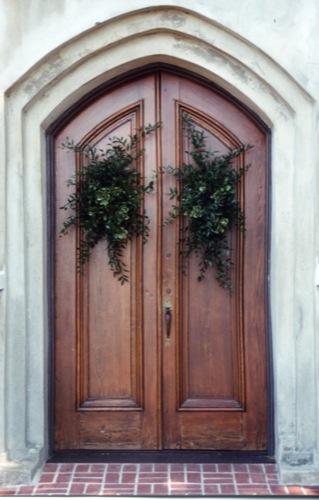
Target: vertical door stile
[159, 251]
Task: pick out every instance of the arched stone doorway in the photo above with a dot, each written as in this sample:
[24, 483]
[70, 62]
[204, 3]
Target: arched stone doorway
[191, 42]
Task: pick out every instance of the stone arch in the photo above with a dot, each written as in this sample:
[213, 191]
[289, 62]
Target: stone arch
[192, 42]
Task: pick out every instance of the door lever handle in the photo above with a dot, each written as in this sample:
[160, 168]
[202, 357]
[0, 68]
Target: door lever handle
[168, 318]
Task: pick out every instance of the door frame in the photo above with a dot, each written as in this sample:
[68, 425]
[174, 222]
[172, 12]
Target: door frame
[162, 455]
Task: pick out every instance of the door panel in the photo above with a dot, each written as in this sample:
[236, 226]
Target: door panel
[120, 383]
[110, 365]
[102, 400]
[211, 386]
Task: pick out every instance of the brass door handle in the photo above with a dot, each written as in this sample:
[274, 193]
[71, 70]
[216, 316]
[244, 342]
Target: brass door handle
[168, 319]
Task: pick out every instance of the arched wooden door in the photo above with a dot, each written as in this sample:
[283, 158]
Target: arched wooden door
[118, 385]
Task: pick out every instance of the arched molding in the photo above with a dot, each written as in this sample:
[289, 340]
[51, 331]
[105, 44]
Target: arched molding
[197, 44]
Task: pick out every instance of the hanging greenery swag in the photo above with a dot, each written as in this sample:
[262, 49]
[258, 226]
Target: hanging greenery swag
[207, 204]
[108, 198]
[109, 192]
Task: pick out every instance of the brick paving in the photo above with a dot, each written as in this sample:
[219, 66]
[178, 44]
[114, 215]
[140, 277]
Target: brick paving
[158, 479]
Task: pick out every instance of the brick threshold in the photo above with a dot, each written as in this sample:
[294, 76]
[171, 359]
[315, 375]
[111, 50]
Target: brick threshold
[159, 479]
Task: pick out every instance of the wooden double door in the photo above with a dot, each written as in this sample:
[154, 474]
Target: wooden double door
[120, 384]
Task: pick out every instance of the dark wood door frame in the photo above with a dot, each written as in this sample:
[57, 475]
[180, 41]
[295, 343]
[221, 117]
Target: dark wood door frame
[158, 455]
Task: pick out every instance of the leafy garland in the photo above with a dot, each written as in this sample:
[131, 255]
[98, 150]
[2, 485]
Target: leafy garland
[108, 197]
[207, 205]
[109, 194]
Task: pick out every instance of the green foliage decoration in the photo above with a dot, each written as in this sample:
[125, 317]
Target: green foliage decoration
[207, 204]
[108, 198]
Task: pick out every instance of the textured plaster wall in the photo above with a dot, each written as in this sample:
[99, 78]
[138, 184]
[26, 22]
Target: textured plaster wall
[52, 53]
[286, 30]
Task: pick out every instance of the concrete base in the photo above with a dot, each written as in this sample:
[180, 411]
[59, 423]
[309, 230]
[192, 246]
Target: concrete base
[299, 478]
[299, 468]
[14, 473]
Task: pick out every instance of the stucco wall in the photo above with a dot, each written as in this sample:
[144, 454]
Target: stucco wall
[286, 30]
[52, 53]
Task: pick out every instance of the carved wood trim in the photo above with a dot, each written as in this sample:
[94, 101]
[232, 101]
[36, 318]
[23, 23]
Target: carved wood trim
[133, 117]
[187, 402]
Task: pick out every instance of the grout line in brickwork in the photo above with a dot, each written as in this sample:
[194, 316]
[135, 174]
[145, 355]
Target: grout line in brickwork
[137, 469]
[234, 479]
[57, 471]
[249, 475]
[266, 478]
[202, 479]
[104, 476]
[71, 481]
[121, 474]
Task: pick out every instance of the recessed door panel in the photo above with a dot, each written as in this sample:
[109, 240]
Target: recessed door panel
[110, 368]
